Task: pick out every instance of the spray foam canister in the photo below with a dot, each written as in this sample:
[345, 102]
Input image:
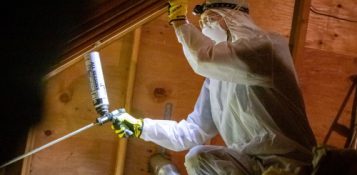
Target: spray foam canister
[98, 90]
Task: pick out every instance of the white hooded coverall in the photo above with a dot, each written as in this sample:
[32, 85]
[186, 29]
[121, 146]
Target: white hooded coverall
[250, 97]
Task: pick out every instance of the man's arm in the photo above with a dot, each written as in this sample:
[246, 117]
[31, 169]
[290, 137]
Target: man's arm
[247, 61]
[196, 130]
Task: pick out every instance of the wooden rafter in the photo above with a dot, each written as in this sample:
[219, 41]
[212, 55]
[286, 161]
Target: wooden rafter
[112, 23]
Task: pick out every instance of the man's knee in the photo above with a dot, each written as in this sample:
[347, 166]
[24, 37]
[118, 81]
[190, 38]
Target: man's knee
[218, 160]
[194, 159]
[195, 153]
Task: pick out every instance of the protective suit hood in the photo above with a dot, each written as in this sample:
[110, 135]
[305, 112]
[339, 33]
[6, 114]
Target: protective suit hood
[239, 24]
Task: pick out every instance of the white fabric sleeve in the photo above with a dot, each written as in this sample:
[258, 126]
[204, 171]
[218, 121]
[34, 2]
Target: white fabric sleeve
[196, 130]
[247, 61]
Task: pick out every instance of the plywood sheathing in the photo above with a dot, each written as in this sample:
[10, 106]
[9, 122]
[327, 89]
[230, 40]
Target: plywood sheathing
[329, 59]
[273, 15]
[331, 34]
[325, 82]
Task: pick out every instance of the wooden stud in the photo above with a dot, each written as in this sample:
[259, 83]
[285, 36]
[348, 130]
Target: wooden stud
[120, 164]
[299, 30]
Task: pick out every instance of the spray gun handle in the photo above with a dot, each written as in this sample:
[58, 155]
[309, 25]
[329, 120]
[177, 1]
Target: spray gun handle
[127, 132]
[113, 118]
[117, 113]
[123, 128]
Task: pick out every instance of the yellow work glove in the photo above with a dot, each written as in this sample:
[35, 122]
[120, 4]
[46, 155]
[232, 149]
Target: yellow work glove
[177, 10]
[126, 125]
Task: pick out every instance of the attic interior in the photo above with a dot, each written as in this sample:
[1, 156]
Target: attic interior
[47, 93]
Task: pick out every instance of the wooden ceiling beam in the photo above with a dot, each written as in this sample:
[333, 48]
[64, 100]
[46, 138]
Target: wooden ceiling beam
[98, 31]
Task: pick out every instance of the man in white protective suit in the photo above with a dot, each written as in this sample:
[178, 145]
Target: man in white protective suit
[250, 97]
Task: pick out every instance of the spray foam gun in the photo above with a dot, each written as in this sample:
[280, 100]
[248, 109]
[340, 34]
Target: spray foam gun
[100, 101]
[99, 93]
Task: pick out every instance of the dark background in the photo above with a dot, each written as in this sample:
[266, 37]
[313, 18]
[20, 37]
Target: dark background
[33, 33]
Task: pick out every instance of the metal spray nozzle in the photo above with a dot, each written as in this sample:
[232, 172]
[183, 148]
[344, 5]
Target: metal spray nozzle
[110, 116]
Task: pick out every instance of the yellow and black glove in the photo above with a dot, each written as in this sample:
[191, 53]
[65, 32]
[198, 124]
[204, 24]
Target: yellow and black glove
[177, 10]
[126, 125]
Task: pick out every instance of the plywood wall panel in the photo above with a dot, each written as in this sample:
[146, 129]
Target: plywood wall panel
[68, 106]
[273, 15]
[325, 81]
[331, 34]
